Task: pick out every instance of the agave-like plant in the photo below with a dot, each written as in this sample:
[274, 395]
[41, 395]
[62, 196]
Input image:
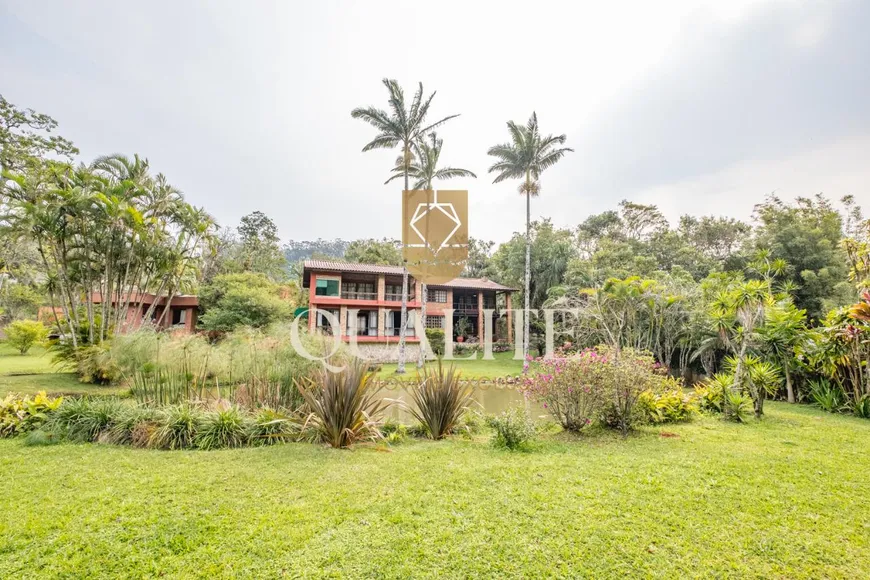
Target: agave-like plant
[439, 400]
[344, 406]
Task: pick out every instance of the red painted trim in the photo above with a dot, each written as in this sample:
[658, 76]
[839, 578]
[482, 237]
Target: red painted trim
[328, 301]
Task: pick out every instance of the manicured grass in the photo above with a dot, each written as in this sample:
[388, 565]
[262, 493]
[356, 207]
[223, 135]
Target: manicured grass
[37, 360]
[502, 366]
[35, 371]
[58, 383]
[785, 498]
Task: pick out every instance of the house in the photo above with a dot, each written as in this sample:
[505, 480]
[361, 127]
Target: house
[181, 315]
[375, 291]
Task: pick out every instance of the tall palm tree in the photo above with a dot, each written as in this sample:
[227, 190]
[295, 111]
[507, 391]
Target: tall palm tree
[525, 157]
[402, 126]
[424, 168]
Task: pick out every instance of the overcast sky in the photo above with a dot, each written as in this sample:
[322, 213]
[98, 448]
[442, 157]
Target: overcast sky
[698, 107]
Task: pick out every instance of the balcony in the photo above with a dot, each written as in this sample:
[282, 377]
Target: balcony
[350, 295]
[394, 296]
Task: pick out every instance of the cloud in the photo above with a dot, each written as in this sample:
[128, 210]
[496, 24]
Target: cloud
[246, 106]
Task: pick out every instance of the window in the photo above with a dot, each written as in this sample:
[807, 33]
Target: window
[439, 296]
[434, 322]
[393, 292]
[326, 288]
[394, 323]
[323, 321]
[179, 315]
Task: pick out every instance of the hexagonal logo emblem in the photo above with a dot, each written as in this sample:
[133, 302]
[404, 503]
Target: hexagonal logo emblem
[435, 234]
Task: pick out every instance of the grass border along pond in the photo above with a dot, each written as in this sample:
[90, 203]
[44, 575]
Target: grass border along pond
[784, 497]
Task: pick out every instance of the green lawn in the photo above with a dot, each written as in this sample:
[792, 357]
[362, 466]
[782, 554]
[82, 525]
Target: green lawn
[786, 498]
[35, 371]
[503, 365]
[37, 360]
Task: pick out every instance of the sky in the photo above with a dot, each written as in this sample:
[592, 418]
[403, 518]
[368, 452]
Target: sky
[698, 107]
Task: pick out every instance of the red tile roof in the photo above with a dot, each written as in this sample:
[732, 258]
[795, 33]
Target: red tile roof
[469, 283]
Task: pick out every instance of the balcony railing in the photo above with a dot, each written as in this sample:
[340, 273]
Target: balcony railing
[394, 296]
[471, 308]
[359, 295]
[362, 331]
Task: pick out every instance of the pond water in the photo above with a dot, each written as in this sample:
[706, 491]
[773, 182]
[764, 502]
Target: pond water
[489, 399]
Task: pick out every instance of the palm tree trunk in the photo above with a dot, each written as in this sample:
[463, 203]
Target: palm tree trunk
[400, 367]
[788, 387]
[528, 279]
[421, 359]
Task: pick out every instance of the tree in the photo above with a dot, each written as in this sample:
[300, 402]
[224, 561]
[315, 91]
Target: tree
[479, 258]
[260, 252]
[424, 168]
[248, 299]
[25, 138]
[19, 301]
[403, 126]
[552, 249]
[783, 330]
[737, 313]
[105, 233]
[23, 334]
[807, 236]
[371, 251]
[525, 157]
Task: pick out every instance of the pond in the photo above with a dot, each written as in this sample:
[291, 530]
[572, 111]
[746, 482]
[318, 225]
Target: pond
[488, 398]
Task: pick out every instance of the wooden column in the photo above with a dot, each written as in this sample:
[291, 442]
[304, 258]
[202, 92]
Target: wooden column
[480, 315]
[382, 288]
[510, 316]
[342, 321]
[312, 311]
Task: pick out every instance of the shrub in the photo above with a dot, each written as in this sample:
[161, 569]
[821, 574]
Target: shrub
[176, 427]
[24, 334]
[600, 382]
[394, 432]
[344, 406]
[21, 414]
[231, 301]
[514, 429]
[737, 406]
[126, 426]
[711, 393]
[162, 387]
[222, 428]
[569, 388]
[84, 419]
[439, 400]
[861, 407]
[40, 438]
[94, 364]
[667, 404]
[435, 336]
[827, 396]
[270, 427]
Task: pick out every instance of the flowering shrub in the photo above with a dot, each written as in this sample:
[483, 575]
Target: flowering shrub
[594, 383]
[569, 388]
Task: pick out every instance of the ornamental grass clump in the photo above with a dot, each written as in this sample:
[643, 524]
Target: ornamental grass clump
[344, 406]
[440, 400]
[221, 429]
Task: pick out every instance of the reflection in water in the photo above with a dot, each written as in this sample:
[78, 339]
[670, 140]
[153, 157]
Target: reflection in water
[489, 399]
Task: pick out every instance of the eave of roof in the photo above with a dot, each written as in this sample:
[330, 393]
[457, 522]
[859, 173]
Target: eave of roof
[341, 267]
